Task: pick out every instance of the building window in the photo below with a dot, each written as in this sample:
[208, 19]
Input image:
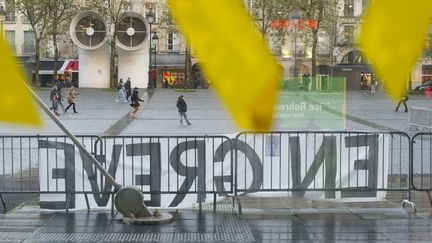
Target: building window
[152, 7]
[10, 37]
[29, 43]
[348, 35]
[250, 4]
[426, 73]
[10, 11]
[173, 42]
[349, 8]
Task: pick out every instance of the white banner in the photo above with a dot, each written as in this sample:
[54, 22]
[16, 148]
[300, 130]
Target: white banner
[183, 169]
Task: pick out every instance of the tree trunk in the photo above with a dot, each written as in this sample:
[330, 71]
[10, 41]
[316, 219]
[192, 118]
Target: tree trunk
[37, 64]
[56, 52]
[314, 48]
[188, 67]
[113, 55]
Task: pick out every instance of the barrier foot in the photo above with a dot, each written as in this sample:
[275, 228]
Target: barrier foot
[239, 205]
[409, 203]
[129, 201]
[430, 198]
[87, 201]
[214, 203]
[3, 202]
[67, 202]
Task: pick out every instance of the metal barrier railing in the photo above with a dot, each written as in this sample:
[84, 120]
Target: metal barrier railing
[158, 165]
[339, 164]
[21, 162]
[303, 163]
[421, 178]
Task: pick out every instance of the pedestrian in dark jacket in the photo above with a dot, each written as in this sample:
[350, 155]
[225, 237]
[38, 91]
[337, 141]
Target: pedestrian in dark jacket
[60, 97]
[403, 101]
[128, 88]
[135, 102]
[182, 108]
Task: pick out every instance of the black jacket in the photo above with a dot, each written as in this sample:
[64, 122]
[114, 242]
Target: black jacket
[127, 85]
[135, 99]
[181, 105]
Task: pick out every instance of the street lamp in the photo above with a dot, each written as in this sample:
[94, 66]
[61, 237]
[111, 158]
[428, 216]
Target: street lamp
[154, 44]
[150, 19]
[2, 19]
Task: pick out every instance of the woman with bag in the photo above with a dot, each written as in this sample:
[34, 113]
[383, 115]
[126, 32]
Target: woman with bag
[71, 99]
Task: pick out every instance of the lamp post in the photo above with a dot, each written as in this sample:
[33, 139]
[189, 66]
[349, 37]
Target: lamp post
[150, 19]
[155, 41]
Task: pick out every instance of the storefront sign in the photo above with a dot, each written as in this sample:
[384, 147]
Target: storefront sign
[295, 24]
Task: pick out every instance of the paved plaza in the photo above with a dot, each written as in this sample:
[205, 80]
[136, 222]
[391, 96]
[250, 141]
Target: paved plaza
[262, 219]
[99, 114]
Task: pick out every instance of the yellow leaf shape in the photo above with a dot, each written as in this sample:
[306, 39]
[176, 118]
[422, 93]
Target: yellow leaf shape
[233, 56]
[392, 38]
[16, 103]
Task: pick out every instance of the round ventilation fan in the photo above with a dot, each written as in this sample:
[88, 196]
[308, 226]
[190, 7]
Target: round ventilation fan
[88, 30]
[132, 31]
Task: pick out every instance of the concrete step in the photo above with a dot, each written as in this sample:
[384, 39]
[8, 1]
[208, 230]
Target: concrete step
[22, 222]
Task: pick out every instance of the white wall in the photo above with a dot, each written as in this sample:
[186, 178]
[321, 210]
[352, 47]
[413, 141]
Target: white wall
[134, 64]
[94, 68]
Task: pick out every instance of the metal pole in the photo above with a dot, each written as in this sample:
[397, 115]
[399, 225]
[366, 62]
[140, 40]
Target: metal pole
[295, 51]
[155, 65]
[116, 185]
[150, 81]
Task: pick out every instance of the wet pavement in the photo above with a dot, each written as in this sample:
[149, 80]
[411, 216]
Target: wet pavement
[28, 224]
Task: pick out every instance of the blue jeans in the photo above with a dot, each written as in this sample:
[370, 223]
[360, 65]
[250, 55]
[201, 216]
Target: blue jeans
[121, 95]
[183, 115]
[54, 106]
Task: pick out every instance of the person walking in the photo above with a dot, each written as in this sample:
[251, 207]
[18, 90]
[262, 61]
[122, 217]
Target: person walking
[373, 85]
[121, 94]
[135, 102]
[128, 88]
[71, 99]
[60, 98]
[54, 100]
[182, 108]
[403, 101]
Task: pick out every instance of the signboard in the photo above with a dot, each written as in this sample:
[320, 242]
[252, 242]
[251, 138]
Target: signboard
[295, 24]
[312, 104]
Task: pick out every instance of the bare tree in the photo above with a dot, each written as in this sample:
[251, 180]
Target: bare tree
[328, 26]
[265, 13]
[313, 9]
[116, 10]
[60, 11]
[36, 12]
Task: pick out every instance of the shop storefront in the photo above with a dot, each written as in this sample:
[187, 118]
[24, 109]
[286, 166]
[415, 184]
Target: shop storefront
[67, 70]
[170, 72]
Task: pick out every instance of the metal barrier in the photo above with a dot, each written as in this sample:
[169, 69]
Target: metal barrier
[160, 165]
[338, 164]
[23, 158]
[421, 178]
[303, 163]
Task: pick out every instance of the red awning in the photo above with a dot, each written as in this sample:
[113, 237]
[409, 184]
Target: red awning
[71, 66]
